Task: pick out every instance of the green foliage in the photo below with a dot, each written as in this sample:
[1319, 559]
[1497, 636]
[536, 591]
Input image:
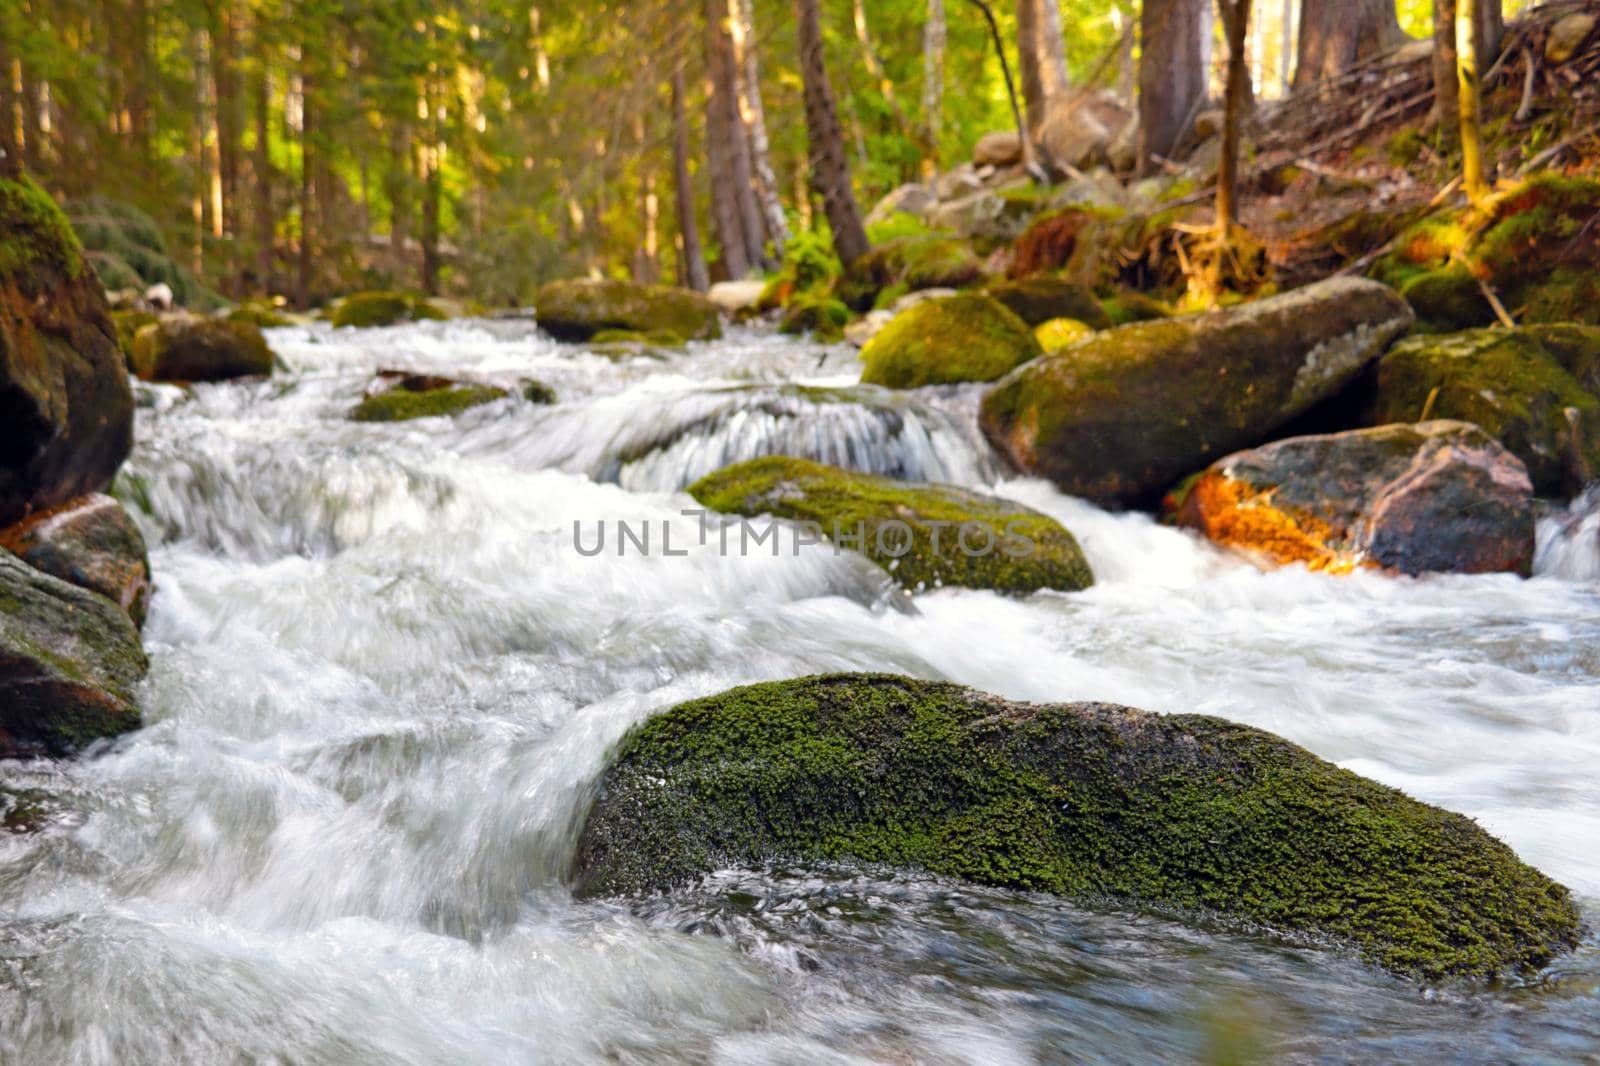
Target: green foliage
[1085, 800]
[815, 313]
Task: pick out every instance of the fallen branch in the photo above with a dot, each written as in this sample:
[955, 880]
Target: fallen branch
[1494, 301]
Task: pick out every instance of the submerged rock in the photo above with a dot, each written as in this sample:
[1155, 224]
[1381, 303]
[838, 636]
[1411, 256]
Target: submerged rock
[968, 337]
[400, 397]
[365, 310]
[69, 663]
[66, 412]
[1532, 389]
[925, 536]
[189, 348]
[1081, 799]
[89, 542]
[576, 309]
[1434, 496]
[1120, 417]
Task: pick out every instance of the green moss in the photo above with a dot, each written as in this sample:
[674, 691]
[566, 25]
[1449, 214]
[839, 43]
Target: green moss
[887, 298]
[1405, 147]
[402, 405]
[914, 262]
[535, 391]
[37, 236]
[1447, 297]
[968, 337]
[820, 315]
[1086, 800]
[1129, 306]
[72, 664]
[262, 315]
[189, 348]
[1016, 550]
[1038, 300]
[661, 338]
[1508, 382]
[365, 310]
[576, 309]
[128, 324]
[1059, 333]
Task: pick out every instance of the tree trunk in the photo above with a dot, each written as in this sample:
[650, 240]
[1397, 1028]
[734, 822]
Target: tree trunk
[1172, 75]
[1030, 71]
[1472, 172]
[1491, 30]
[694, 260]
[830, 167]
[433, 188]
[302, 283]
[138, 84]
[1446, 87]
[933, 43]
[397, 187]
[734, 142]
[1235, 21]
[1335, 35]
[10, 119]
[266, 223]
[742, 14]
[225, 100]
[1286, 48]
[722, 130]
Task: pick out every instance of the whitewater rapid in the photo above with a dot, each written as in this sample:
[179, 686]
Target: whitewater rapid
[383, 682]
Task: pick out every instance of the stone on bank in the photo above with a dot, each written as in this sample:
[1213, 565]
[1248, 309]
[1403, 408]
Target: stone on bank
[1124, 415]
[1086, 800]
[1430, 497]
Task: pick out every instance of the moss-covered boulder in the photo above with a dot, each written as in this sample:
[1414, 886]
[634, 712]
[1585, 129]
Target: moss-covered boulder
[925, 536]
[189, 348]
[399, 396]
[576, 309]
[1129, 306]
[1534, 245]
[966, 337]
[69, 663]
[908, 264]
[1122, 416]
[1082, 799]
[1038, 300]
[816, 314]
[1519, 385]
[1430, 497]
[365, 310]
[127, 325]
[66, 412]
[261, 314]
[89, 542]
[1059, 333]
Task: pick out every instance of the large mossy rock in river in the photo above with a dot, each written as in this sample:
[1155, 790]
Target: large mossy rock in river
[1434, 496]
[966, 337]
[188, 348]
[576, 309]
[367, 310]
[1533, 389]
[1038, 300]
[925, 536]
[90, 542]
[69, 662]
[66, 412]
[1124, 415]
[1086, 800]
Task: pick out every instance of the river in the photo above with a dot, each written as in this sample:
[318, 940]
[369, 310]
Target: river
[384, 681]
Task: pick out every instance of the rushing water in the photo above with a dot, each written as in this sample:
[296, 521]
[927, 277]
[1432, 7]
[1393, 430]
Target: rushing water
[383, 682]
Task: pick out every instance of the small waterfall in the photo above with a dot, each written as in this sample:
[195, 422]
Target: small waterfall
[1569, 542]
